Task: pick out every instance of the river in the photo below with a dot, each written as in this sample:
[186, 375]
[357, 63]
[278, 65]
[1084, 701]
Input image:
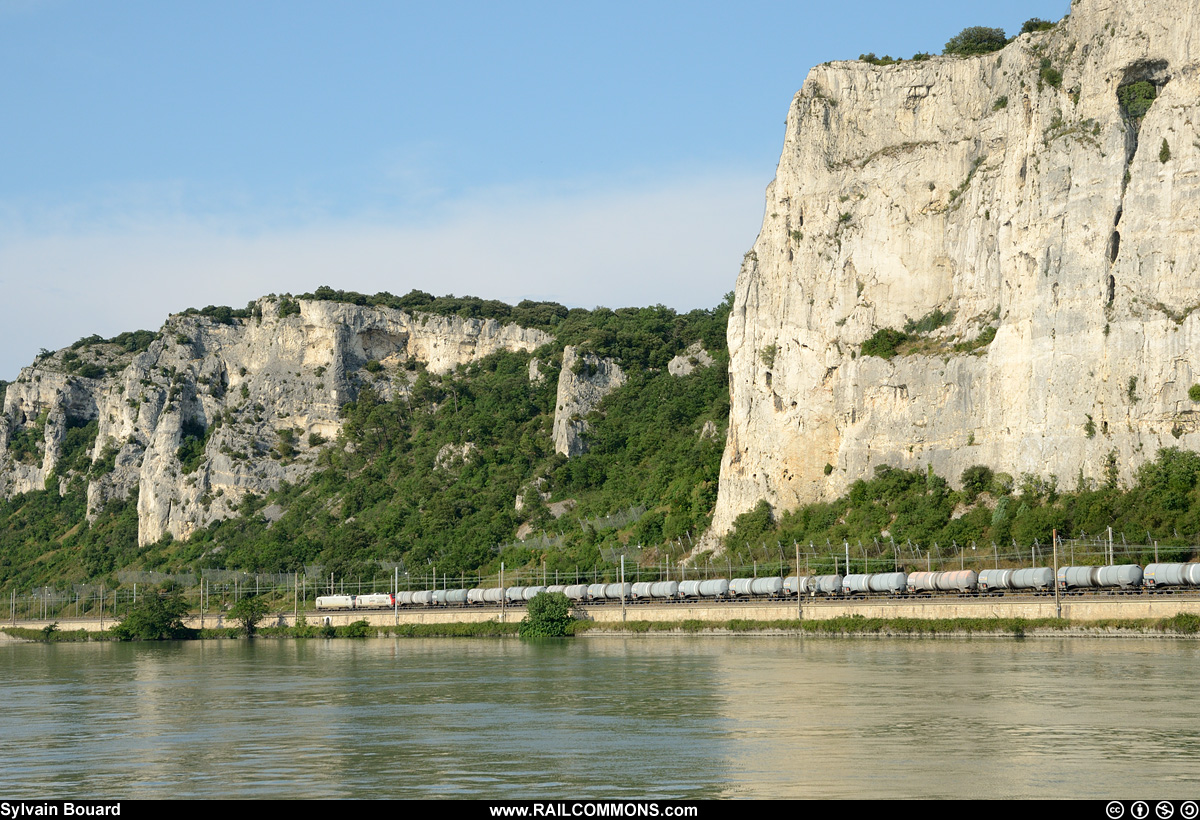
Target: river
[689, 717]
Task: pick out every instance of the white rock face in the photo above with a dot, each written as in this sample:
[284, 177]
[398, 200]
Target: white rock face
[452, 455]
[261, 395]
[695, 356]
[578, 394]
[535, 372]
[976, 186]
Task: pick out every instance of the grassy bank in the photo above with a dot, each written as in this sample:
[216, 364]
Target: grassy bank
[1182, 624]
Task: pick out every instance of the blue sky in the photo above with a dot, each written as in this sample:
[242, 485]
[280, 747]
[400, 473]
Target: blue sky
[155, 156]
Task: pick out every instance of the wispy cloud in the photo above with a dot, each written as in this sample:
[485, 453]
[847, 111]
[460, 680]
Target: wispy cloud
[677, 243]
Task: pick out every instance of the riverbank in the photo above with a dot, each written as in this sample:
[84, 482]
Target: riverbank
[1180, 625]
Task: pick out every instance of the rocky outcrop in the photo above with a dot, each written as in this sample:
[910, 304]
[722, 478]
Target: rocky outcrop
[211, 411]
[452, 455]
[695, 356]
[535, 371]
[1017, 204]
[583, 381]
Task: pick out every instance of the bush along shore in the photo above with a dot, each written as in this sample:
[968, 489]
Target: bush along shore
[1180, 625]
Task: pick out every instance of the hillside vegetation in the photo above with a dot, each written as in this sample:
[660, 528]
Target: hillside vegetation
[430, 479]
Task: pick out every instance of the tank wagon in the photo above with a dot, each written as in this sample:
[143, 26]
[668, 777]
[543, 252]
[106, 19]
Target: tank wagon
[998, 580]
[892, 583]
[1129, 578]
[1156, 576]
[1123, 576]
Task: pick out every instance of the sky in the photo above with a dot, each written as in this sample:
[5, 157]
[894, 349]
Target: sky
[157, 156]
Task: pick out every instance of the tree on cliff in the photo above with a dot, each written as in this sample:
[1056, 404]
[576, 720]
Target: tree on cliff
[976, 40]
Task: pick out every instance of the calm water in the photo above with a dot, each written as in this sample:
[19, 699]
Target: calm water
[685, 717]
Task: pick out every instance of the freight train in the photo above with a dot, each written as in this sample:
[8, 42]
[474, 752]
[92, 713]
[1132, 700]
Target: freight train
[1037, 580]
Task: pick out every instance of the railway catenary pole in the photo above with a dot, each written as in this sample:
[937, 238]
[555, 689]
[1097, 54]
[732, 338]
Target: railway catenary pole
[1057, 599]
[622, 589]
[799, 595]
[396, 595]
[503, 596]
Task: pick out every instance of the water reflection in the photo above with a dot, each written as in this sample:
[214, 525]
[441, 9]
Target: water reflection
[663, 716]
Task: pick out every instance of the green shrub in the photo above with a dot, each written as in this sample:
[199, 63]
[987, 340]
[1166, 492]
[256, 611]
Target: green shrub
[1184, 623]
[157, 616]
[929, 322]
[136, 341]
[985, 338]
[1048, 74]
[1194, 392]
[767, 355]
[1001, 102]
[976, 40]
[286, 446]
[193, 440]
[26, 444]
[1136, 99]
[373, 366]
[1036, 24]
[976, 480]
[548, 616]
[76, 444]
[355, 629]
[223, 314]
[884, 343]
[288, 307]
[1164, 153]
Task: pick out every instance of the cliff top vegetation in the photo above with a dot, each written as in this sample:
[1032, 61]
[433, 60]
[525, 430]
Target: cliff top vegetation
[380, 493]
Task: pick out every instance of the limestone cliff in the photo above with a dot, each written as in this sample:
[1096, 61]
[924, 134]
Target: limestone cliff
[584, 380]
[210, 411]
[1021, 193]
